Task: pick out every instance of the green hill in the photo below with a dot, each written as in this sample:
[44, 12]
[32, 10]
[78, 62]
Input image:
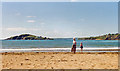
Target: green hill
[103, 37]
[28, 37]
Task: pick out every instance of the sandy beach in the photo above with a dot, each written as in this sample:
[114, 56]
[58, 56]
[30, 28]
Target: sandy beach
[60, 60]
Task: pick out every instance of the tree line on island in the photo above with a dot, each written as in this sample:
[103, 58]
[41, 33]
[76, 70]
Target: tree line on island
[28, 37]
[33, 37]
[103, 37]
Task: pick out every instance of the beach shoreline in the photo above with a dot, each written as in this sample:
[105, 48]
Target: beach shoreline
[59, 60]
[115, 49]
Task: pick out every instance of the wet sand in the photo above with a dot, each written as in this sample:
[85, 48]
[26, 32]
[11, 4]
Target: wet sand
[60, 60]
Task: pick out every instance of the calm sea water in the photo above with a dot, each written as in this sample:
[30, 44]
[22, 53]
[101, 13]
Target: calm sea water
[57, 43]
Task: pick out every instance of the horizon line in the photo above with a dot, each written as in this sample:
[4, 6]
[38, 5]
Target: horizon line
[63, 37]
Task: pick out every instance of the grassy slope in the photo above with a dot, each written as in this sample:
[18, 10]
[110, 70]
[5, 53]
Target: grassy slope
[103, 37]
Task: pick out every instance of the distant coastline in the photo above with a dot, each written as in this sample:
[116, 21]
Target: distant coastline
[33, 37]
[103, 37]
[28, 37]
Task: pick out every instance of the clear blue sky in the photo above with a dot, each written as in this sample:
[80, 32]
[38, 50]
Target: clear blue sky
[59, 19]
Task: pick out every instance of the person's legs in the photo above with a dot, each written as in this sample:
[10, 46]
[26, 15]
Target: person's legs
[74, 50]
[81, 49]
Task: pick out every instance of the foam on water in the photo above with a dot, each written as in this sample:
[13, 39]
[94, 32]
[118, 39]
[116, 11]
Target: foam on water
[59, 50]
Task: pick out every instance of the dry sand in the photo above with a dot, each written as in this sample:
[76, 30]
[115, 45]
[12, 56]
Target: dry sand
[60, 60]
[0, 62]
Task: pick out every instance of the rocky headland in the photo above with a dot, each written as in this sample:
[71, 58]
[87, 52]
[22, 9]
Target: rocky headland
[28, 37]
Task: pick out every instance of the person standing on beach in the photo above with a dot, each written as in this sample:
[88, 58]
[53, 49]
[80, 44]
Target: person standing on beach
[81, 46]
[74, 46]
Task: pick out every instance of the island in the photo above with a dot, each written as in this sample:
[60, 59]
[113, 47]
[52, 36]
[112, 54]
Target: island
[103, 37]
[28, 37]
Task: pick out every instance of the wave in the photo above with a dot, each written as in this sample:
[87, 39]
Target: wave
[60, 49]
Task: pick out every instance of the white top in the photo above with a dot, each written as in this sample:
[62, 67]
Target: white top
[74, 42]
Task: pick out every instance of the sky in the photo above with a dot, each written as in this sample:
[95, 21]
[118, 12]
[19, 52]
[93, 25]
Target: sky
[60, 0]
[59, 19]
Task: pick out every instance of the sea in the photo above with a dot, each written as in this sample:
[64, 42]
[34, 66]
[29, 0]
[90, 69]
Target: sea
[57, 45]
